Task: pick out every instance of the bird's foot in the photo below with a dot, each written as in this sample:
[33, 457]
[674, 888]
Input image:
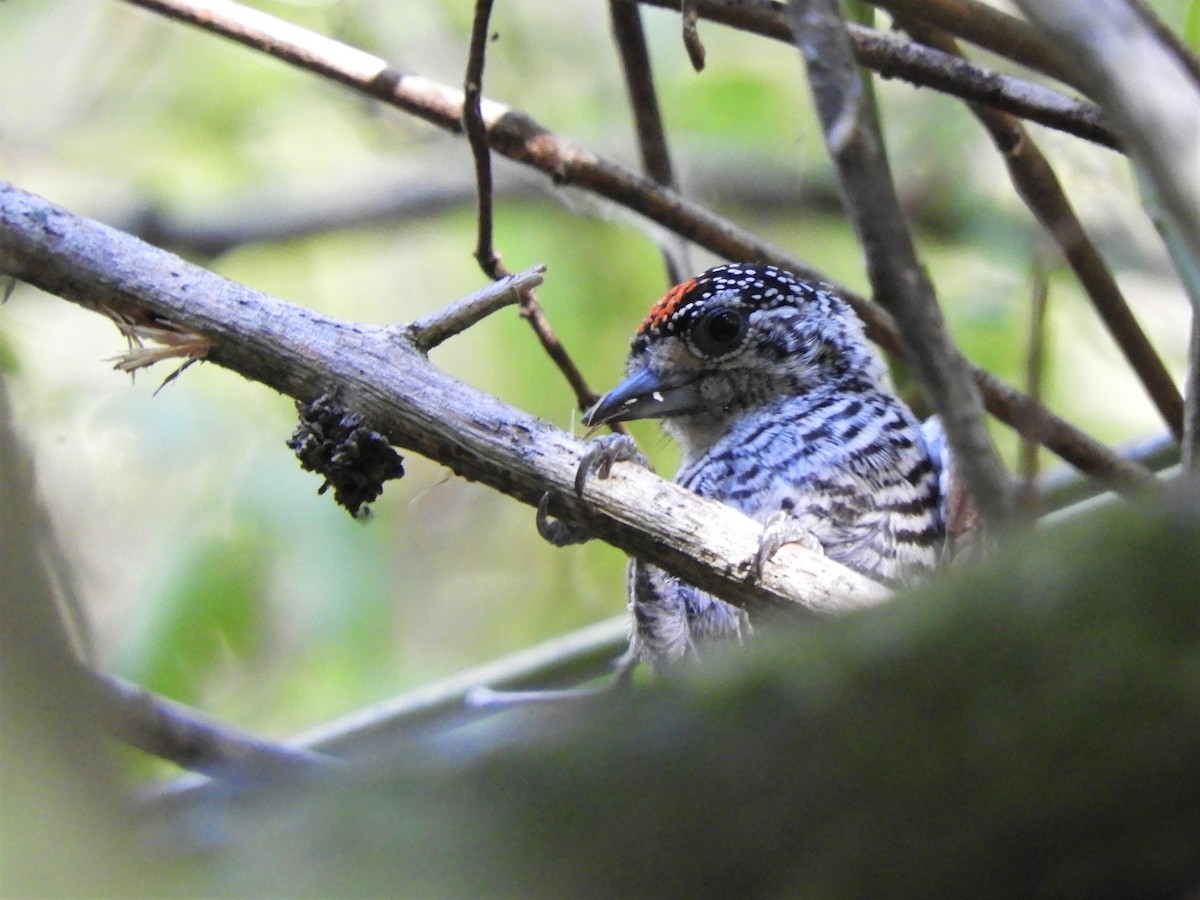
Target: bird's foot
[598, 460]
[556, 531]
[779, 529]
[602, 453]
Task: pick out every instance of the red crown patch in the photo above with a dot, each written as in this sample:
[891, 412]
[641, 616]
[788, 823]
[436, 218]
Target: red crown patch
[666, 307]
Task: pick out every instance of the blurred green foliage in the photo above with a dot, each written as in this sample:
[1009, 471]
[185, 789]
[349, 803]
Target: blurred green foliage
[215, 573]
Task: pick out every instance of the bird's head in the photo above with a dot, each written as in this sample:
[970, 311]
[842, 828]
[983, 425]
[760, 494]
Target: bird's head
[733, 339]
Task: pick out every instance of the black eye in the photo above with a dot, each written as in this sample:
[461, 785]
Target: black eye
[719, 331]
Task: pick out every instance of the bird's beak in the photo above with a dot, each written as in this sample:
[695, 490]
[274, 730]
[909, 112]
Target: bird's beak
[644, 394]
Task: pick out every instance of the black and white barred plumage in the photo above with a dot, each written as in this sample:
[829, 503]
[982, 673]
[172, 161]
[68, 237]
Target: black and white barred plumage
[780, 405]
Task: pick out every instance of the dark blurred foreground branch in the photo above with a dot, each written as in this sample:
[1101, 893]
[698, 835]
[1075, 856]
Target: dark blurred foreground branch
[54, 771]
[381, 374]
[520, 138]
[902, 754]
[1025, 728]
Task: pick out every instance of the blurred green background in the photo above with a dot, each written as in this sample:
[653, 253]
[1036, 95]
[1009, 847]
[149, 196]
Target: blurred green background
[212, 571]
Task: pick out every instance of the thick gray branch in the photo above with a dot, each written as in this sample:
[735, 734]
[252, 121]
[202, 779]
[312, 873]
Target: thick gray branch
[381, 373]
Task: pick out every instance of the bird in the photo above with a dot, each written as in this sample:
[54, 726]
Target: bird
[782, 410]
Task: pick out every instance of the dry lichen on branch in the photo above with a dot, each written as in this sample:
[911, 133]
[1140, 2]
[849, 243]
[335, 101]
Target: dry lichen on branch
[335, 443]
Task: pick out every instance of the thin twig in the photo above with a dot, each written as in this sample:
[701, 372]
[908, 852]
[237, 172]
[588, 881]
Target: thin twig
[1190, 446]
[476, 129]
[897, 277]
[630, 37]
[567, 660]
[894, 57]
[1035, 366]
[519, 137]
[1042, 192]
[442, 324]
[535, 315]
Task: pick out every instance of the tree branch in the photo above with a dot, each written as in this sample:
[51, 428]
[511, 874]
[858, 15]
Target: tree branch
[563, 661]
[894, 57]
[441, 325]
[382, 374]
[189, 739]
[989, 28]
[897, 277]
[639, 83]
[630, 37]
[1151, 89]
[1039, 187]
[1154, 103]
[1035, 365]
[285, 212]
[1064, 487]
[476, 131]
[519, 137]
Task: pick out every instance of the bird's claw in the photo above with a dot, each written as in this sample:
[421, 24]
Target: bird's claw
[556, 531]
[598, 459]
[779, 529]
[602, 453]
